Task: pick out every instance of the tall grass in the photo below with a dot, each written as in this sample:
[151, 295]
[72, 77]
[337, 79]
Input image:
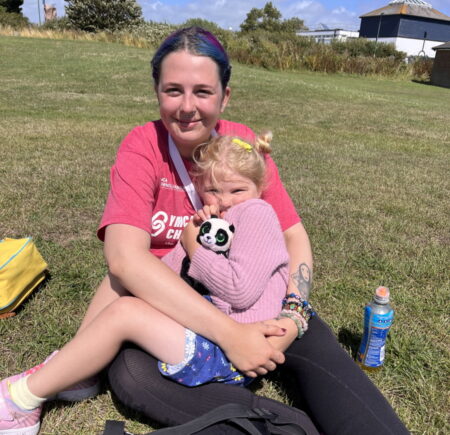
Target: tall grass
[291, 52]
[422, 68]
[277, 51]
[147, 35]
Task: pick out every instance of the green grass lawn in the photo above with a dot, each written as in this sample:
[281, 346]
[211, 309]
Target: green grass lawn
[365, 160]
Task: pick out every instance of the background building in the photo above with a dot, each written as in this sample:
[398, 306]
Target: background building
[440, 75]
[413, 26]
[328, 35]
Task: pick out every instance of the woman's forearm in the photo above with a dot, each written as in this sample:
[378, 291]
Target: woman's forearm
[300, 260]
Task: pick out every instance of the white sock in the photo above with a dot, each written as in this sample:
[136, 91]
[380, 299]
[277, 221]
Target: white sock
[23, 397]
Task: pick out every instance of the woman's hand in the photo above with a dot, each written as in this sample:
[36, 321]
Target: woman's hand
[189, 238]
[248, 348]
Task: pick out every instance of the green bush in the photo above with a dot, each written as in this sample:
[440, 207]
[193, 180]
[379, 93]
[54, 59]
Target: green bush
[421, 68]
[12, 19]
[62, 23]
[268, 18]
[364, 47]
[323, 58]
[12, 6]
[268, 49]
[153, 33]
[103, 15]
[210, 26]
[286, 51]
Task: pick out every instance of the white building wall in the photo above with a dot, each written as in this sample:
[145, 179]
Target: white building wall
[326, 36]
[412, 47]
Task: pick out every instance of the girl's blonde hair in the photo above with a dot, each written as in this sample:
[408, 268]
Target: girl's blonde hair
[224, 153]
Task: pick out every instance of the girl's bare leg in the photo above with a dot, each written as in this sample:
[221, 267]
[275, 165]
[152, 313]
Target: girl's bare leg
[125, 319]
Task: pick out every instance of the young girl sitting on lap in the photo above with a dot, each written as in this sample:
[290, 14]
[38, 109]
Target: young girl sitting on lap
[249, 284]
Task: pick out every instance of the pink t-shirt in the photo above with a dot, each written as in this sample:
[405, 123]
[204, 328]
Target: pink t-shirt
[146, 191]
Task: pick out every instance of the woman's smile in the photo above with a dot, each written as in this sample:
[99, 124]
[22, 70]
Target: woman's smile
[188, 124]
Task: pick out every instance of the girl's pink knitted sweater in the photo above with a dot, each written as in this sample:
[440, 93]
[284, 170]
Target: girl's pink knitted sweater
[250, 284]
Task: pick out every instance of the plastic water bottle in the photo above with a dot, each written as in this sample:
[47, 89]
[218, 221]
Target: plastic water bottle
[378, 317]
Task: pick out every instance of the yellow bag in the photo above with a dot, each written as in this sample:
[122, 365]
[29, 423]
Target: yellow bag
[22, 268]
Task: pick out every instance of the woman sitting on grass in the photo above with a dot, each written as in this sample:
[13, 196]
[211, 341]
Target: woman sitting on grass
[147, 207]
[248, 284]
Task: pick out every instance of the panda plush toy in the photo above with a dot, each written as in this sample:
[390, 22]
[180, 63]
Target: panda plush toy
[216, 234]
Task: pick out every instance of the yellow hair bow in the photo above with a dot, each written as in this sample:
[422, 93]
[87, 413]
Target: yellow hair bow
[243, 144]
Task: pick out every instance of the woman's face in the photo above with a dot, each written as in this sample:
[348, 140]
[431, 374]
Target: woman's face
[191, 98]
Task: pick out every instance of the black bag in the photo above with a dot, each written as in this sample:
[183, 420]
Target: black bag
[245, 421]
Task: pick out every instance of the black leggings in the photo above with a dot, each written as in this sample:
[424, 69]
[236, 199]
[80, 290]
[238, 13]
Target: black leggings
[338, 396]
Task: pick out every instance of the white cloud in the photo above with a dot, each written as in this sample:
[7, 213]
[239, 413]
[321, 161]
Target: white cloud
[342, 11]
[308, 11]
[155, 5]
[314, 13]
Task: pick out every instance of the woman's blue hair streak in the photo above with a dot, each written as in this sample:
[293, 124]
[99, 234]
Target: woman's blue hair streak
[196, 41]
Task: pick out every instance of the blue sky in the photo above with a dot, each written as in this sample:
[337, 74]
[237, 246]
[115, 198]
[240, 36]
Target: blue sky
[231, 13]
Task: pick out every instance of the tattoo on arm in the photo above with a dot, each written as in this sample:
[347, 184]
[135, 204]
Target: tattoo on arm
[303, 280]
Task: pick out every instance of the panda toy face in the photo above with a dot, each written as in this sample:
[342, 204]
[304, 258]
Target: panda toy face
[216, 234]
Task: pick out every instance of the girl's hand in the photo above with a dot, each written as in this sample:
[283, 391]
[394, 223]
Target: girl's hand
[189, 238]
[249, 350]
[205, 213]
[282, 343]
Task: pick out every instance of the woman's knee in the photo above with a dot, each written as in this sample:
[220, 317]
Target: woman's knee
[318, 338]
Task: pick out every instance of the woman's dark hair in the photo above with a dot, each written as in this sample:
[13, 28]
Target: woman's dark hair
[197, 41]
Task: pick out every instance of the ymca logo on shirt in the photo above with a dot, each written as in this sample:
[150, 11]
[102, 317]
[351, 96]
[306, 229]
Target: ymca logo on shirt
[171, 224]
[166, 185]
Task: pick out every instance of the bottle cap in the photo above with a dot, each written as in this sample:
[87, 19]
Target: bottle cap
[382, 295]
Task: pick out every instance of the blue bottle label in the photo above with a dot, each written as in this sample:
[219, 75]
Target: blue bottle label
[376, 327]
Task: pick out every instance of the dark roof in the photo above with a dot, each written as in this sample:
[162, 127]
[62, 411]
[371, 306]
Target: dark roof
[416, 9]
[445, 46]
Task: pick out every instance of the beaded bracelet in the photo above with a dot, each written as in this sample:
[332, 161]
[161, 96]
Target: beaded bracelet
[299, 305]
[299, 310]
[300, 321]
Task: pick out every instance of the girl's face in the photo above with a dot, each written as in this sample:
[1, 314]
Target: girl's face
[228, 190]
[191, 98]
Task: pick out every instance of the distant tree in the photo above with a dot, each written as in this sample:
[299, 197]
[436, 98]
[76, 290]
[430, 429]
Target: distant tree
[204, 24]
[293, 25]
[12, 6]
[97, 15]
[254, 20]
[269, 19]
[12, 19]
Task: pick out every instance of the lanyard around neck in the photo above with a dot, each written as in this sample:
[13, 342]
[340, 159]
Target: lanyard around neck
[183, 174]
